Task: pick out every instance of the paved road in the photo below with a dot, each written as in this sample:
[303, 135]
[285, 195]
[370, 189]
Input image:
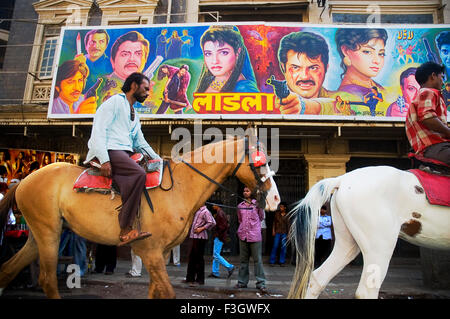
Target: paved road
[403, 281]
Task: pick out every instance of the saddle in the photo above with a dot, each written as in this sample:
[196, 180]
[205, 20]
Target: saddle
[91, 179]
[434, 176]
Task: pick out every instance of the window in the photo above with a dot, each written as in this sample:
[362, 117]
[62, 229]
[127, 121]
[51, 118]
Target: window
[48, 56]
[48, 50]
[124, 22]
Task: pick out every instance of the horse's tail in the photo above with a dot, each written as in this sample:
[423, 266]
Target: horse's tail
[302, 233]
[6, 204]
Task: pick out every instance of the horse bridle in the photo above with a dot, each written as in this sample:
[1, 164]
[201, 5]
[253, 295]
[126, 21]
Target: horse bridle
[260, 195]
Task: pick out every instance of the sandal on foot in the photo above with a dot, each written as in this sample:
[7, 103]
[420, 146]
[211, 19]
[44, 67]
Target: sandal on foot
[132, 236]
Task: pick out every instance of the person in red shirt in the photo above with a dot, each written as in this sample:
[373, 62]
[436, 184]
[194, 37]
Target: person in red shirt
[426, 122]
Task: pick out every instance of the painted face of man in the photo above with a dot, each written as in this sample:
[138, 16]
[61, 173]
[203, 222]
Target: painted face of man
[96, 46]
[70, 89]
[220, 59]
[444, 53]
[410, 88]
[368, 59]
[130, 58]
[304, 75]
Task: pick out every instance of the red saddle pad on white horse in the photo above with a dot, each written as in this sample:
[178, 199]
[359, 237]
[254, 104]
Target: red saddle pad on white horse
[437, 188]
[91, 180]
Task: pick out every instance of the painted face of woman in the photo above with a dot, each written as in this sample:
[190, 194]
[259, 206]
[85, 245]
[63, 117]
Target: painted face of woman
[368, 59]
[220, 59]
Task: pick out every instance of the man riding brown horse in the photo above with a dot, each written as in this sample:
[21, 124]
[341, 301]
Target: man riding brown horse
[116, 133]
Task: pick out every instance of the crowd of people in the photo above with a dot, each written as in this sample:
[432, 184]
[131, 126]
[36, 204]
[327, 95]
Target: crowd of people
[211, 222]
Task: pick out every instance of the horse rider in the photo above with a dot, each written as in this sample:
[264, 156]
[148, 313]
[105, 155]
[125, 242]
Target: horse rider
[426, 121]
[116, 132]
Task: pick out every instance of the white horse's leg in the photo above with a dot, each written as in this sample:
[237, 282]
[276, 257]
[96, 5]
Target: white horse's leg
[368, 207]
[377, 243]
[344, 251]
[376, 264]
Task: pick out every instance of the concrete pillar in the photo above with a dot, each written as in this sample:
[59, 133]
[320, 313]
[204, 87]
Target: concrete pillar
[192, 9]
[318, 15]
[322, 166]
[446, 12]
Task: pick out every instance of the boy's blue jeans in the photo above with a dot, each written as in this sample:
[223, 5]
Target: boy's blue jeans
[76, 248]
[279, 239]
[218, 259]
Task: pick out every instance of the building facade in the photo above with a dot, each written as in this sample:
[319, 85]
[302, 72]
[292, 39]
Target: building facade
[309, 150]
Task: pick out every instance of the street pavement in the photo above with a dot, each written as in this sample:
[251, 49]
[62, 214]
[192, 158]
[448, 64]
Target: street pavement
[403, 280]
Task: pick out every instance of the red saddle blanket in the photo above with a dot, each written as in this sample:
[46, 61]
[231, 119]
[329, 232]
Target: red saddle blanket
[437, 188]
[91, 180]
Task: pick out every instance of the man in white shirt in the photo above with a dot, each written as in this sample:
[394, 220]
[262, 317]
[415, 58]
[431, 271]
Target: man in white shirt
[116, 133]
[324, 237]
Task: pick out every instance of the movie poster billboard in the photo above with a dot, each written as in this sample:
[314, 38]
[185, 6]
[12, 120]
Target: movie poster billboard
[249, 70]
[16, 164]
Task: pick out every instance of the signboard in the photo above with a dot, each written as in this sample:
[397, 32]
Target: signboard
[253, 70]
[16, 164]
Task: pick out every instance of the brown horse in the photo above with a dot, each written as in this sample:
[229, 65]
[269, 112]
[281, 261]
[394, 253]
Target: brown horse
[46, 198]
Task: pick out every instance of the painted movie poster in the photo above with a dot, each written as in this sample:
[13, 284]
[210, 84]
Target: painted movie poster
[249, 70]
[16, 164]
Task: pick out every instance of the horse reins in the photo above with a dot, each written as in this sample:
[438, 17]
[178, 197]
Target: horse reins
[212, 180]
[260, 181]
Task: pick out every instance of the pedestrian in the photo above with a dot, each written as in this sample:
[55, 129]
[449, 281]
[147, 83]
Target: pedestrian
[221, 236]
[264, 236]
[105, 259]
[249, 233]
[323, 244]
[73, 245]
[279, 232]
[175, 256]
[136, 266]
[11, 220]
[203, 220]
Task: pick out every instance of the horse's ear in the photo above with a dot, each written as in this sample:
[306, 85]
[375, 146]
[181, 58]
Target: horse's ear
[252, 134]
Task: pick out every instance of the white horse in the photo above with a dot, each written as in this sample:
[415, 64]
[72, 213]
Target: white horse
[370, 208]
